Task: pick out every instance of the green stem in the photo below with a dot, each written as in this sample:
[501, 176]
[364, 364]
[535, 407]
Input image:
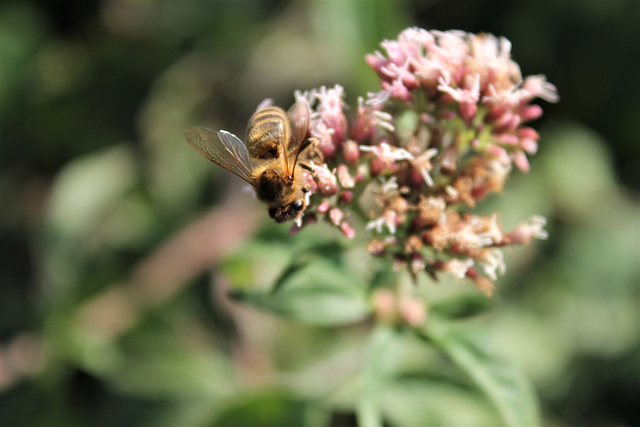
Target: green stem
[368, 415]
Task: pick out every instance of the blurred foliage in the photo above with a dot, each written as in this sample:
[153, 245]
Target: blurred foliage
[97, 185]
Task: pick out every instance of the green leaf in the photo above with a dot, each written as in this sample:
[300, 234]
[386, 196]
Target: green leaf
[317, 293]
[267, 408]
[463, 306]
[375, 375]
[330, 251]
[427, 400]
[476, 354]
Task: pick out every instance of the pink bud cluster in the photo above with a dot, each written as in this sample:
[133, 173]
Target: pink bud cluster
[441, 135]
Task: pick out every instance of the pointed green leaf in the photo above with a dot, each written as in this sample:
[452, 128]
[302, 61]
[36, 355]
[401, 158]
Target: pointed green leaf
[318, 293]
[476, 354]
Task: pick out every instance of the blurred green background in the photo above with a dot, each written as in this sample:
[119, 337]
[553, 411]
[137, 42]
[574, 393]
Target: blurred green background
[110, 223]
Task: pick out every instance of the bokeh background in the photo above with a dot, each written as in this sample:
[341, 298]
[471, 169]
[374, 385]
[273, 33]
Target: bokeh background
[114, 234]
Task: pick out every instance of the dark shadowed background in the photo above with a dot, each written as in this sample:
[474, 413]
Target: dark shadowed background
[109, 222]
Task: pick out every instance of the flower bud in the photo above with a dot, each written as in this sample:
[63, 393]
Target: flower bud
[529, 145]
[527, 132]
[384, 305]
[324, 135]
[447, 115]
[361, 173]
[335, 216]
[379, 166]
[500, 153]
[502, 121]
[430, 211]
[412, 311]
[377, 62]
[347, 230]
[397, 90]
[506, 139]
[444, 100]
[346, 180]
[521, 161]
[324, 207]
[327, 183]
[495, 113]
[410, 81]
[468, 111]
[376, 247]
[351, 151]
[530, 112]
[345, 197]
[417, 264]
[399, 263]
[412, 244]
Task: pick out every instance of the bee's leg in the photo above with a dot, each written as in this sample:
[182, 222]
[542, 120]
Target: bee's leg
[307, 196]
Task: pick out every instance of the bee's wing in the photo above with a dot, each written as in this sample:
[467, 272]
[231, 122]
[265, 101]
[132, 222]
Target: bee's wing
[222, 148]
[299, 117]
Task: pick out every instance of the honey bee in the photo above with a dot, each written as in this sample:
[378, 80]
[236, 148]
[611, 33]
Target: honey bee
[275, 144]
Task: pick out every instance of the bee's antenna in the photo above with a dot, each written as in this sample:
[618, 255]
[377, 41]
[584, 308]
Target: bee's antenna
[303, 147]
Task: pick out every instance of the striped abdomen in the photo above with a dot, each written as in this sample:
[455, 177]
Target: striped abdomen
[268, 133]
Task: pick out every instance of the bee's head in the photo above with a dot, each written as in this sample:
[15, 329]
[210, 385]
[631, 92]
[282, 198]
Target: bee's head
[285, 197]
[287, 212]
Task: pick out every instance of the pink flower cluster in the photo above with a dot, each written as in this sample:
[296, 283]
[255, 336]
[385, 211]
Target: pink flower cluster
[441, 134]
[467, 78]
